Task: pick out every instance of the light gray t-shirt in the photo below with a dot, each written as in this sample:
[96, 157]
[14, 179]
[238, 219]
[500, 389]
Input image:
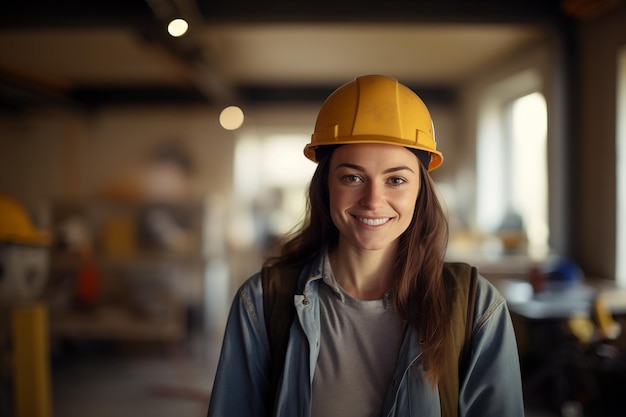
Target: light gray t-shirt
[358, 350]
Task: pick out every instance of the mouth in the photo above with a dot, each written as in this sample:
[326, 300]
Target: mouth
[373, 222]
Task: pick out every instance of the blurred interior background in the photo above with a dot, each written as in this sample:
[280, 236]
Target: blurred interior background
[145, 175]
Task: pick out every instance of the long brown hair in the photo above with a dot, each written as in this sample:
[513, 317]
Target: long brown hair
[420, 295]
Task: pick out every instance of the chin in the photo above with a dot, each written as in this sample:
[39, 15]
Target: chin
[374, 246]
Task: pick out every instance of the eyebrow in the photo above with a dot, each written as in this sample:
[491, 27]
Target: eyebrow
[387, 171]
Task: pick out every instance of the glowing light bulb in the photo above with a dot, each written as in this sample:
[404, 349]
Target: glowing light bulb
[231, 118]
[177, 27]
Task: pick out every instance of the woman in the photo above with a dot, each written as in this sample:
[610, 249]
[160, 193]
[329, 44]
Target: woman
[372, 306]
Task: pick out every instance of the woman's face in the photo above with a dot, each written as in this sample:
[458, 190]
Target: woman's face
[373, 189]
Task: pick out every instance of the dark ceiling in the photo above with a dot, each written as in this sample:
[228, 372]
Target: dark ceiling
[19, 90]
[140, 13]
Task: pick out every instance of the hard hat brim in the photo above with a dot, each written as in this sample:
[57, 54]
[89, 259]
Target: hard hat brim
[436, 158]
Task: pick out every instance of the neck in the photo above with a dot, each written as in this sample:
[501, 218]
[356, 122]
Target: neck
[365, 275]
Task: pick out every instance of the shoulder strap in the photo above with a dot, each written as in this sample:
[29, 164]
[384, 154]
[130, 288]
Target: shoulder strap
[279, 286]
[463, 279]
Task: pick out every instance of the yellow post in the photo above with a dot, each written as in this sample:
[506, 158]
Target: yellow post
[31, 362]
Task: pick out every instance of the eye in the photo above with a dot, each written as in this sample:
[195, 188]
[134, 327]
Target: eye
[350, 178]
[396, 180]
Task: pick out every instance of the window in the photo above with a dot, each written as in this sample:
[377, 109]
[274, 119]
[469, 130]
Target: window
[528, 183]
[512, 161]
[271, 179]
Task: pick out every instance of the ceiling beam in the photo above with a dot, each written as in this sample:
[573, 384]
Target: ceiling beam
[131, 13]
[346, 11]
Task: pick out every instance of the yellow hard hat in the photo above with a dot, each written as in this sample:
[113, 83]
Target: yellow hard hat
[16, 226]
[375, 109]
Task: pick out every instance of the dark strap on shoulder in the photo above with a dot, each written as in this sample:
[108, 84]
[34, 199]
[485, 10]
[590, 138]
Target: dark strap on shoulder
[469, 327]
[279, 286]
[463, 281]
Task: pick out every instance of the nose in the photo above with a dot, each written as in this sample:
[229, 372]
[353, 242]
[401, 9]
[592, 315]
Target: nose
[373, 196]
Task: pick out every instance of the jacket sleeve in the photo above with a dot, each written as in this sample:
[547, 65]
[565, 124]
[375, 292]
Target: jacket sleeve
[242, 381]
[492, 384]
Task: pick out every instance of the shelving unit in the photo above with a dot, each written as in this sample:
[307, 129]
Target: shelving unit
[139, 262]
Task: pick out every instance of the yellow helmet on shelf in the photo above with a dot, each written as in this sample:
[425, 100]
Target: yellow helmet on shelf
[375, 109]
[16, 226]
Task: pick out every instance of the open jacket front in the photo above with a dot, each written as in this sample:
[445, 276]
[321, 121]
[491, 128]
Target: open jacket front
[490, 388]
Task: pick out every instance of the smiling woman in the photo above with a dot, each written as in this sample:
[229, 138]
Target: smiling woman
[371, 320]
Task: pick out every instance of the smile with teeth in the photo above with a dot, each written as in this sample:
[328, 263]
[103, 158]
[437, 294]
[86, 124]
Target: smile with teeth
[373, 222]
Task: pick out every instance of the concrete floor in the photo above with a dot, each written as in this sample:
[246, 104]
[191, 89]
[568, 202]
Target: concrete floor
[153, 380]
